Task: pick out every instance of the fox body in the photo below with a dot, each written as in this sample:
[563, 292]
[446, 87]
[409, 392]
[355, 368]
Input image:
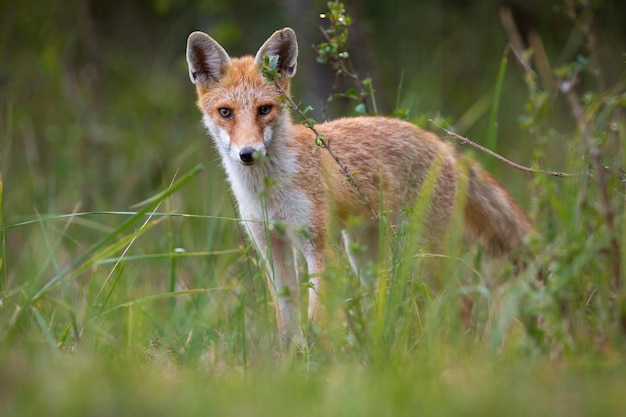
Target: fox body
[276, 177]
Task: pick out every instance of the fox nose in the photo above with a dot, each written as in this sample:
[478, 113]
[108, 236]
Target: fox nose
[247, 155]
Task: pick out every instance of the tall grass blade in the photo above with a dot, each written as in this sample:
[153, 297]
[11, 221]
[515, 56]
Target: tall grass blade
[170, 245]
[391, 288]
[44, 329]
[148, 205]
[242, 331]
[492, 130]
[123, 244]
[162, 296]
[3, 271]
[165, 255]
[120, 270]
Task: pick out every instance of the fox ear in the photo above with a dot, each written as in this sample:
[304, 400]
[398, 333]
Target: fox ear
[206, 58]
[282, 43]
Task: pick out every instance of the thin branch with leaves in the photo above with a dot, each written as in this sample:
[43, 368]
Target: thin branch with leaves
[333, 51]
[272, 74]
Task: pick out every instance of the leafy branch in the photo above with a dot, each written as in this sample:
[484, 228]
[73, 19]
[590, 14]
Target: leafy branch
[272, 74]
[333, 51]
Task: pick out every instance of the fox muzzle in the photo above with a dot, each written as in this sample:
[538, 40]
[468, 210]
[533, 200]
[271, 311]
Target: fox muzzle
[248, 155]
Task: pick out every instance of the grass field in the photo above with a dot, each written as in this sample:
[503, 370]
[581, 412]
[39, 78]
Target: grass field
[128, 287]
[160, 311]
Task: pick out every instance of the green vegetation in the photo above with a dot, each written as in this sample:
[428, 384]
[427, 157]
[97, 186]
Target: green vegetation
[127, 285]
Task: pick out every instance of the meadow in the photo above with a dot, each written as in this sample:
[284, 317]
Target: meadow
[128, 286]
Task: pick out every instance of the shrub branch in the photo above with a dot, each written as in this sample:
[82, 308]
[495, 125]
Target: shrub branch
[322, 142]
[465, 141]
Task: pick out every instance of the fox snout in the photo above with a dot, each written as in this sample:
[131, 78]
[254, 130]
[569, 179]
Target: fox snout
[248, 155]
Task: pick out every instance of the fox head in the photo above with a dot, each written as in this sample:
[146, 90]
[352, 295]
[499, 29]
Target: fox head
[241, 110]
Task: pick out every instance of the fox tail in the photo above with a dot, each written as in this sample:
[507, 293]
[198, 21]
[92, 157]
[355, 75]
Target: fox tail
[491, 215]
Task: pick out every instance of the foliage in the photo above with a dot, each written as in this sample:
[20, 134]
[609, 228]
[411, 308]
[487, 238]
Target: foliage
[583, 280]
[334, 52]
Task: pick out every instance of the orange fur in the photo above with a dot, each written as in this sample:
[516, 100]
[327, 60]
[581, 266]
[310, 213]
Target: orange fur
[308, 192]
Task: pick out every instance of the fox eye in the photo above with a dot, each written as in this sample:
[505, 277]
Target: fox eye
[263, 110]
[225, 112]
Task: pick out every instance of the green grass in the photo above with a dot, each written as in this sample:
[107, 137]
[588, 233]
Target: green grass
[101, 329]
[88, 386]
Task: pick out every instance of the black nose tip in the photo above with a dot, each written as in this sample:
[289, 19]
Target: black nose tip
[247, 155]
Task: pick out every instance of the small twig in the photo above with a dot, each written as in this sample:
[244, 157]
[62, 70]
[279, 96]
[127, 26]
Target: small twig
[321, 142]
[465, 141]
[272, 74]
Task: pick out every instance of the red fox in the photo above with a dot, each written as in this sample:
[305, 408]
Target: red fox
[276, 178]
